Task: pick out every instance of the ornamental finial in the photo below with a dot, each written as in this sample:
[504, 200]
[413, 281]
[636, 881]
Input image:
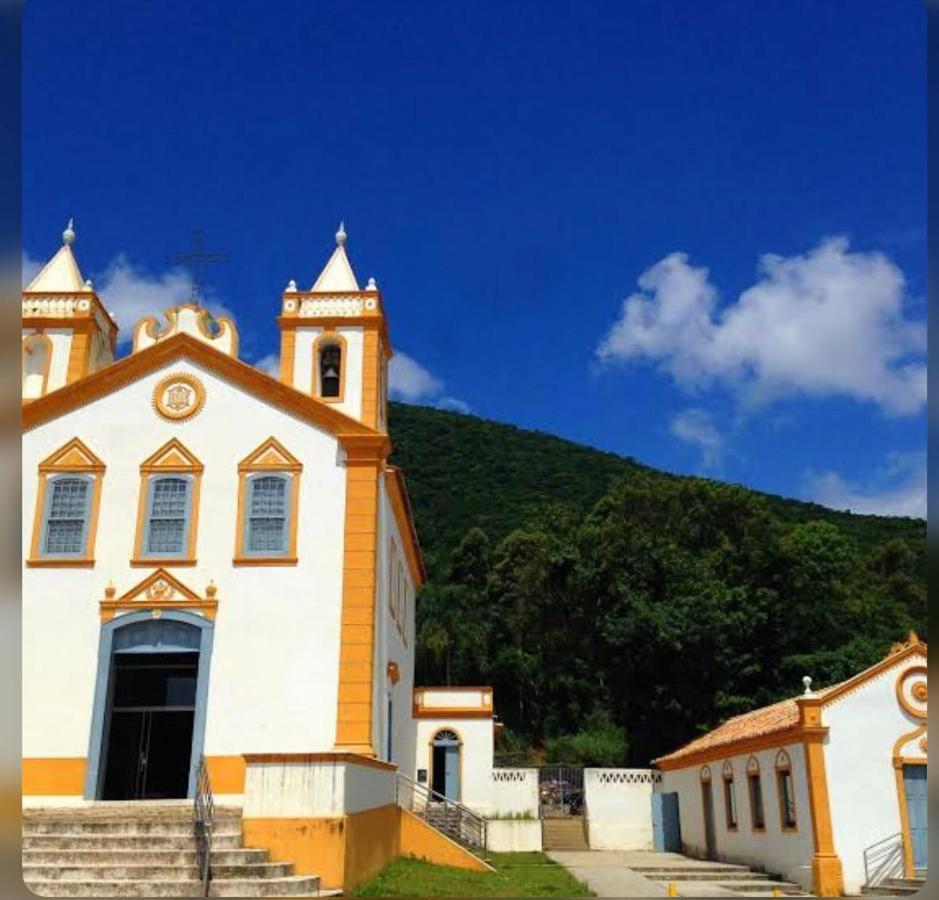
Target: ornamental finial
[371, 286]
[341, 235]
[807, 681]
[69, 234]
[89, 285]
[292, 286]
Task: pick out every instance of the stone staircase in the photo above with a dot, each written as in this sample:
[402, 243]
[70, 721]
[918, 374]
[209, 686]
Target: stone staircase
[146, 850]
[896, 887]
[564, 833]
[700, 878]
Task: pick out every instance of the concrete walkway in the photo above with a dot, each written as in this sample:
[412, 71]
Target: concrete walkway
[606, 872]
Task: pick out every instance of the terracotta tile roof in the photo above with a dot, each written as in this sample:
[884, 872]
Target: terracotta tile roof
[756, 723]
[783, 715]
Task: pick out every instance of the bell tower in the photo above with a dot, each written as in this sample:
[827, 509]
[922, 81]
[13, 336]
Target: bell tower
[334, 341]
[67, 333]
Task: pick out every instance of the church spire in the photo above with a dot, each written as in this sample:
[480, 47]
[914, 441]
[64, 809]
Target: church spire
[337, 274]
[61, 274]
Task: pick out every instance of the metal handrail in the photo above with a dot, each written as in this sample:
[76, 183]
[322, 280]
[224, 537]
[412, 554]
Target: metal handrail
[883, 860]
[451, 817]
[203, 818]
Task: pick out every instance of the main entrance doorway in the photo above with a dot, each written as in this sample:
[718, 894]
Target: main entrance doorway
[150, 702]
[151, 719]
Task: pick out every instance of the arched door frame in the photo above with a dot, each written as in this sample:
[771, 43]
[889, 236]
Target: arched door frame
[94, 777]
[432, 743]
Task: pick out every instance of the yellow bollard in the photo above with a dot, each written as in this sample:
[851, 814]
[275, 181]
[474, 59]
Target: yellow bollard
[672, 890]
[777, 892]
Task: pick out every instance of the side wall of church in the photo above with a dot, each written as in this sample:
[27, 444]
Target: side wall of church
[396, 607]
[274, 665]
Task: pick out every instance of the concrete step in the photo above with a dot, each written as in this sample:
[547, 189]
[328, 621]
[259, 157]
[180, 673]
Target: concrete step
[717, 868]
[119, 826]
[895, 890]
[115, 872]
[139, 857]
[670, 875]
[762, 888]
[130, 841]
[293, 886]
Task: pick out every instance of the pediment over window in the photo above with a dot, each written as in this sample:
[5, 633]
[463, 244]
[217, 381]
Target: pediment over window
[158, 591]
[172, 457]
[271, 456]
[73, 457]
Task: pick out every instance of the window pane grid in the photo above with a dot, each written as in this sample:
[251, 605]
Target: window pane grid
[167, 527]
[66, 523]
[268, 515]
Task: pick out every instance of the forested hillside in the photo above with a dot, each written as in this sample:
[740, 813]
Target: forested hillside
[618, 610]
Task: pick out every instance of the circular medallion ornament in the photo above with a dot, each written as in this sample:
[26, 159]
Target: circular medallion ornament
[912, 691]
[177, 397]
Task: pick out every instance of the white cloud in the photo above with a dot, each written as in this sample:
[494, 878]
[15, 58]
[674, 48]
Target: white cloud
[269, 364]
[129, 293]
[696, 427]
[408, 380]
[830, 322]
[898, 489]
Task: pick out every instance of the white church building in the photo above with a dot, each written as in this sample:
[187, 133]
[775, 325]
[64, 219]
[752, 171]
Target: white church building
[219, 564]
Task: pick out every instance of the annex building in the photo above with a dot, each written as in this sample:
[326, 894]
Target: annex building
[827, 789]
[220, 565]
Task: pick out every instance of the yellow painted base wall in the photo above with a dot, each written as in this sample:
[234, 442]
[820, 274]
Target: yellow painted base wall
[347, 850]
[418, 839]
[54, 777]
[343, 851]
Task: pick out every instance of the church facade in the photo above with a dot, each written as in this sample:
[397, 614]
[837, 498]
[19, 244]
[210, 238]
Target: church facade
[220, 564]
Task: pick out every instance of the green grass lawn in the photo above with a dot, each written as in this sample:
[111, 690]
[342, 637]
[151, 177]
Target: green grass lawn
[516, 875]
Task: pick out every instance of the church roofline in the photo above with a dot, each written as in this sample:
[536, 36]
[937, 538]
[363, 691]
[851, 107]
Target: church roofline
[135, 366]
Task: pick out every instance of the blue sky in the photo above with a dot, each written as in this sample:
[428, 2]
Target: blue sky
[690, 233]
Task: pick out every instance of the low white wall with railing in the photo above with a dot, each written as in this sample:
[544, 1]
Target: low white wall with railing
[304, 786]
[618, 807]
[514, 793]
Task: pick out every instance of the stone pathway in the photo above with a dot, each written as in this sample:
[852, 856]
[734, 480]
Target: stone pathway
[606, 872]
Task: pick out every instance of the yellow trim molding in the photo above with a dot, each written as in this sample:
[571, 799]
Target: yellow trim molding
[158, 591]
[272, 457]
[171, 458]
[73, 457]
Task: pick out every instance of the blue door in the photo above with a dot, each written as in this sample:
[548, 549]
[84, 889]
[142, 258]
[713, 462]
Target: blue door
[666, 830]
[914, 783]
[452, 769]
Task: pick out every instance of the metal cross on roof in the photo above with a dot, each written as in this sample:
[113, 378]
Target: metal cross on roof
[196, 259]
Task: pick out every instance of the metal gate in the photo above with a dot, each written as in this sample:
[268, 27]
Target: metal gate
[666, 826]
[561, 791]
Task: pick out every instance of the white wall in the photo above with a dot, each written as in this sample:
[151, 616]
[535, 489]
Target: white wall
[786, 853]
[314, 789]
[476, 757]
[619, 808]
[275, 651]
[864, 726]
[513, 835]
[514, 792]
